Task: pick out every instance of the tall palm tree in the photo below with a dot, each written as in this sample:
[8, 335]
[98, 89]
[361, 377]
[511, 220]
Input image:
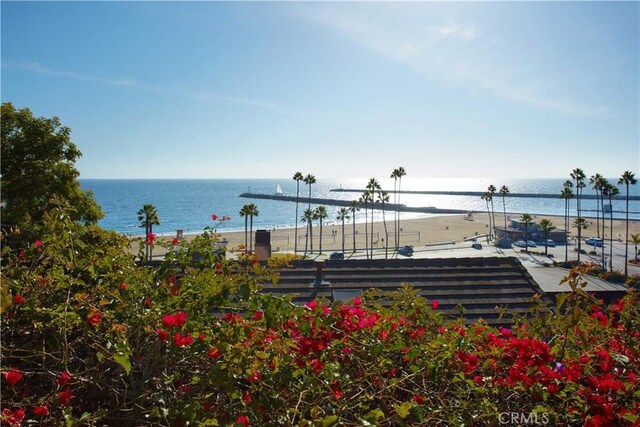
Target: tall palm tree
[635, 240]
[546, 226]
[579, 176]
[321, 214]
[492, 191]
[527, 221]
[566, 194]
[401, 173]
[252, 210]
[373, 185]
[487, 197]
[148, 217]
[354, 207]
[504, 190]
[343, 214]
[297, 177]
[580, 224]
[394, 175]
[364, 200]
[627, 178]
[611, 191]
[309, 180]
[383, 197]
[244, 212]
[307, 217]
[596, 185]
[602, 184]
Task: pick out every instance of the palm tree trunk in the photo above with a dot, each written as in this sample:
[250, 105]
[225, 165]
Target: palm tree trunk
[150, 246]
[342, 235]
[626, 238]
[251, 233]
[611, 227]
[386, 234]
[354, 231]
[366, 233]
[311, 234]
[320, 242]
[295, 234]
[246, 228]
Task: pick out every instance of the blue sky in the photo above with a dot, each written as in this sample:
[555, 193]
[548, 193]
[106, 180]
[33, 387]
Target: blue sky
[340, 90]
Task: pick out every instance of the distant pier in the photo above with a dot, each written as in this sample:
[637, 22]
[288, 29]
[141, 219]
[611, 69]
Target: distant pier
[394, 207]
[482, 193]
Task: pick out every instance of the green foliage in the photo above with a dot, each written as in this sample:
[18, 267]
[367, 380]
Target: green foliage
[99, 340]
[37, 164]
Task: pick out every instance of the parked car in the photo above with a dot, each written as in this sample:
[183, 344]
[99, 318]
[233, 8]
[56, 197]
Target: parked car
[551, 243]
[337, 255]
[531, 244]
[520, 243]
[406, 250]
[594, 241]
[476, 246]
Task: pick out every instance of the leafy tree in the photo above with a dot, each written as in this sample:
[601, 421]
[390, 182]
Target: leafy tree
[309, 180]
[252, 210]
[372, 186]
[244, 213]
[307, 217]
[354, 207]
[527, 221]
[492, 191]
[297, 177]
[580, 224]
[343, 214]
[488, 197]
[148, 217]
[546, 226]
[38, 165]
[579, 176]
[401, 173]
[635, 239]
[321, 214]
[383, 197]
[627, 179]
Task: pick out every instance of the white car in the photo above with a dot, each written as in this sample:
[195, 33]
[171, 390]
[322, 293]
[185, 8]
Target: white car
[531, 244]
[520, 243]
[594, 241]
[551, 243]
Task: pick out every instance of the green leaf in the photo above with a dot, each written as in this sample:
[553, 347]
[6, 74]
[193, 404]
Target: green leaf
[404, 409]
[121, 356]
[330, 420]
[373, 417]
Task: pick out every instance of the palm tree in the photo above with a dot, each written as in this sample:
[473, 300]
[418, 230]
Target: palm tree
[321, 214]
[492, 191]
[580, 224]
[343, 214]
[394, 175]
[578, 175]
[309, 180]
[566, 194]
[364, 200]
[596, 185]
[148, 217]
[383, 197]
[635, 239]
[252, 210]
[308, 216]
[244, 212]
[372, 186]
[627, 179]
[354, 207]
[527, 221]
[611, 191]
[546, 226]
[488, 197]
[603, 184]
[504, 190]
[401, 173]
[297, 177]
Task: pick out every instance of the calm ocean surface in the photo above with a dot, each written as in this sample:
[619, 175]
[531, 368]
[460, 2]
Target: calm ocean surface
[188, 204]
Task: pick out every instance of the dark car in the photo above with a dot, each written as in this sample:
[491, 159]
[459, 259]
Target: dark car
[476, 246]
[406, 250]
[337, 255]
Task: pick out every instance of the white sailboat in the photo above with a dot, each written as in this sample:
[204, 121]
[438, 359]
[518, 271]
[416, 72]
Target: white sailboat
[278, 190]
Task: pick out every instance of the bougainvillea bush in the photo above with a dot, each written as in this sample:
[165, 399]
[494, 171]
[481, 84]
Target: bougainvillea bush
[91, 338]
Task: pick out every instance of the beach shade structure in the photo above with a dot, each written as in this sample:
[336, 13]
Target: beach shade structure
[263, 244]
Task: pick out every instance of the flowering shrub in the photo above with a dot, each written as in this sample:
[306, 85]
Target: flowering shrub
[96, 339]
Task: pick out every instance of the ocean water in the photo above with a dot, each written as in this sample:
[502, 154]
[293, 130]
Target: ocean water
[189, 204]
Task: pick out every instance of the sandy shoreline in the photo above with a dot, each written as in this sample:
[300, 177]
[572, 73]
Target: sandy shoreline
[431, 230]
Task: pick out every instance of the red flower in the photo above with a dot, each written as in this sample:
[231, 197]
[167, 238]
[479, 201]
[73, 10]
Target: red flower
[335, 390]
[38, 244]
[151, 238]
[311, 305]
[246, 397]
[18, 299]
[214, 353]
[123, 286]
[162, 334]
[357, 301]
[434, 304]
[317, 365]
[41, 411]
[202, 336]
[243, 419]
[94, 317]
[13, 418]
[255, 376]
[175, 241]
[182, 341]
[65, 396]
[418, 399]
[258, 315]
[175, 320]
[64, 378]
[214, 217]
[12, 376]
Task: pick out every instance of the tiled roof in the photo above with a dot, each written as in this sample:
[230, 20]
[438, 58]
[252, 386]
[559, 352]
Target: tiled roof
[480, 285]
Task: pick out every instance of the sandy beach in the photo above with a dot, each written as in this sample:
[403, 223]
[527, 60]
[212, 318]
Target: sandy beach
[427, 231]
